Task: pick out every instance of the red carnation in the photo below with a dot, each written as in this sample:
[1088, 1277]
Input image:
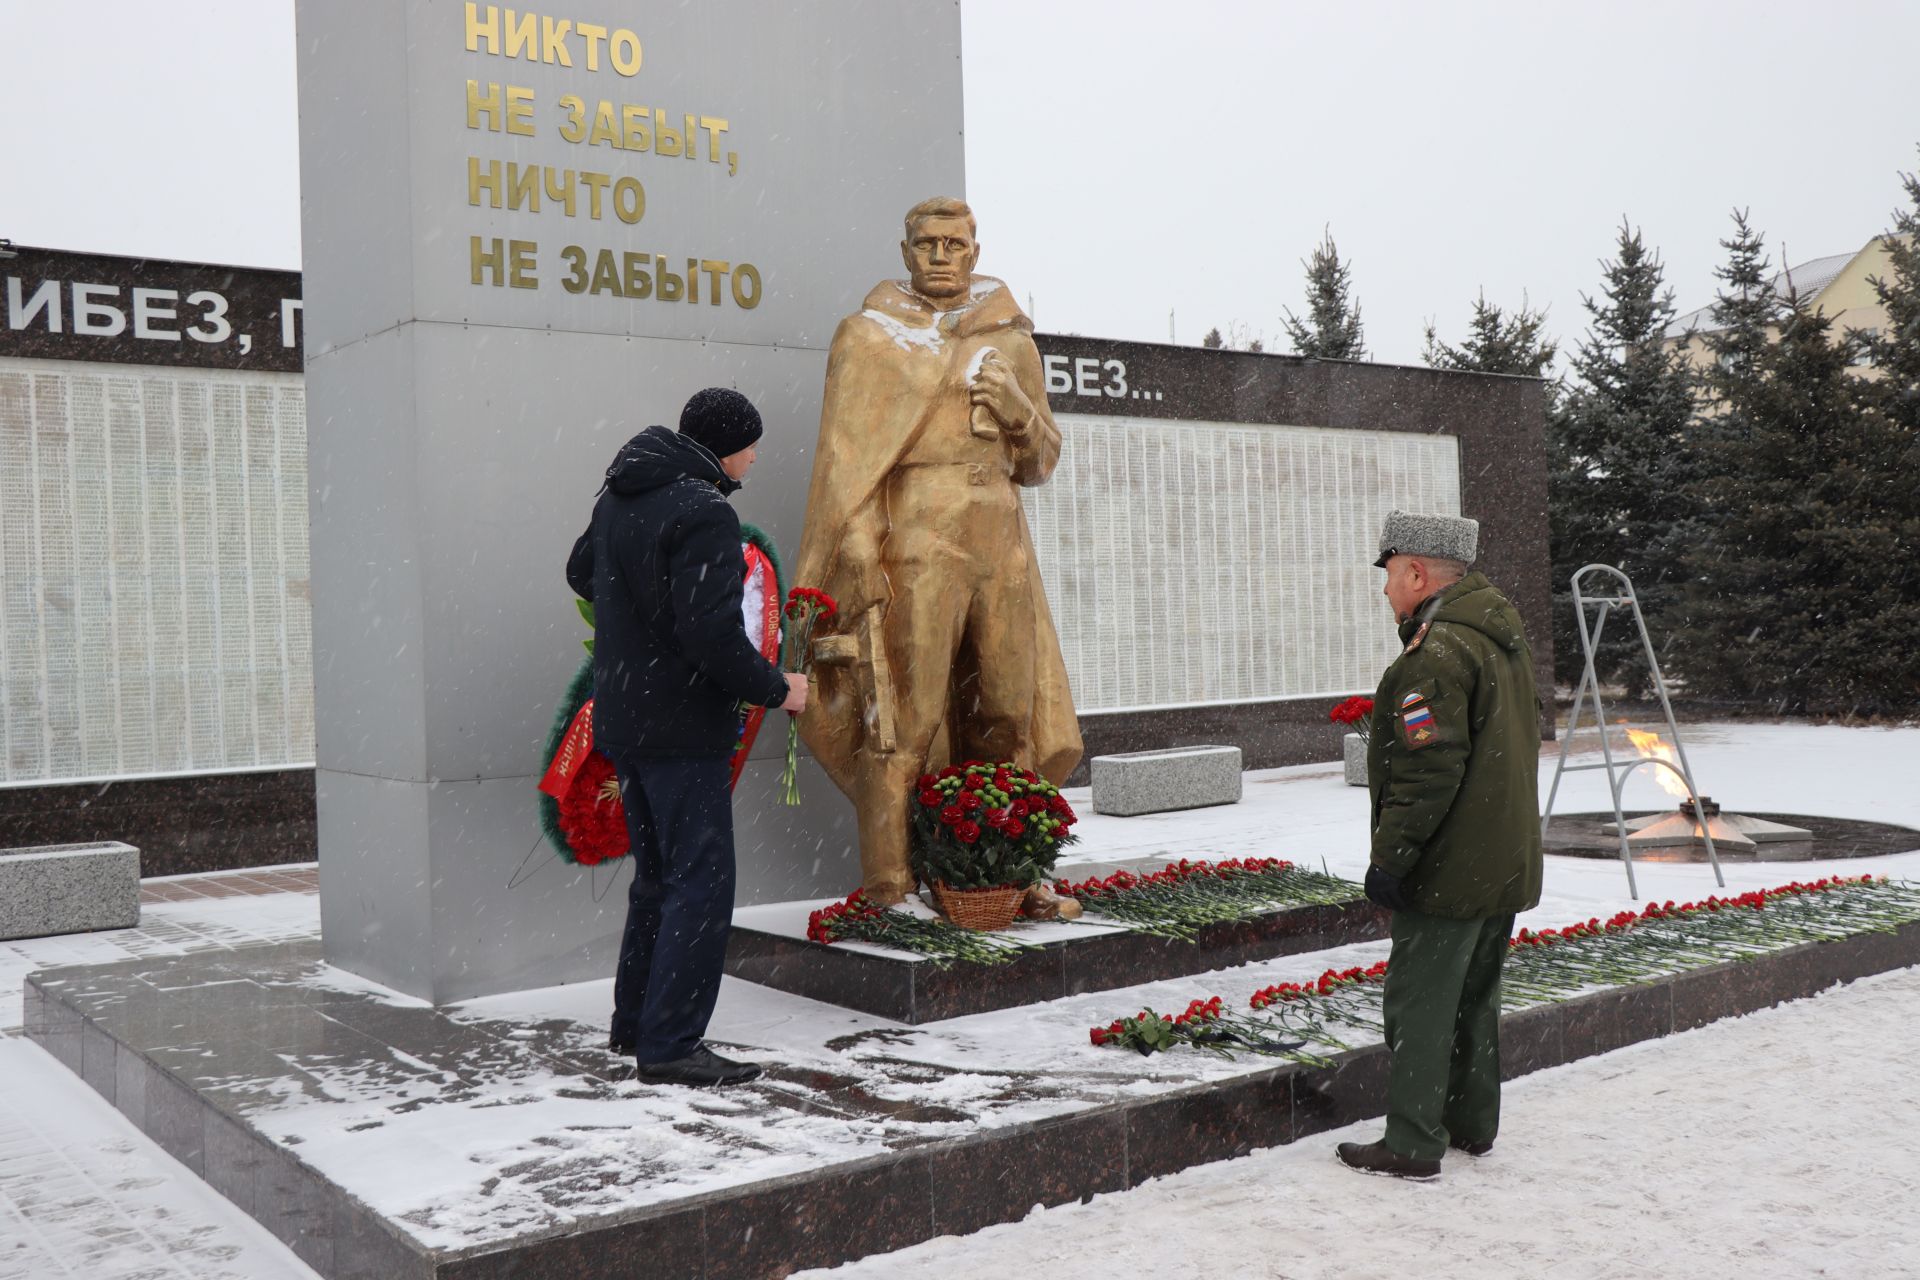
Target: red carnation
[931, 798]
[969, 832]
[969, 800]
[592, 816]
[952, 815]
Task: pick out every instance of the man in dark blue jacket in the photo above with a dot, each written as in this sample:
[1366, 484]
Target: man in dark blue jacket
[672, 663]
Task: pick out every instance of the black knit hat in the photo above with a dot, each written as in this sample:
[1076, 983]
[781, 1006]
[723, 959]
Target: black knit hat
[720, 420]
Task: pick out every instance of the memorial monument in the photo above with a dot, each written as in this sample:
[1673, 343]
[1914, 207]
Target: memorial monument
[935, 412]
[527, 235]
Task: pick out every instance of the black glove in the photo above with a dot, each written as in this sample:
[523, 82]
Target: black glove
[1383, 889]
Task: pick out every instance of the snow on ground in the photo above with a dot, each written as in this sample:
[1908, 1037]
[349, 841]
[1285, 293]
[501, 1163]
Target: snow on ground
[84, 1194]
[1774, 1145]
[1304, 813]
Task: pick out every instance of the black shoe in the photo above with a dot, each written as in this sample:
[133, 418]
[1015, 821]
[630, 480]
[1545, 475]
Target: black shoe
[1377, 1157]
[620, 1047]
[1472, 1148]
[701, 1067]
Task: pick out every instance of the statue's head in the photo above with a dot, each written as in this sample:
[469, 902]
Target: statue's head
[940, 250]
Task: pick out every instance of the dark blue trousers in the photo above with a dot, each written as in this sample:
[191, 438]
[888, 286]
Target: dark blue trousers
[680, 905]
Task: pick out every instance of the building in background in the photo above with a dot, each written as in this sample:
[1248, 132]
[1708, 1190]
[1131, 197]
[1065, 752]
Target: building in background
[1840, 285]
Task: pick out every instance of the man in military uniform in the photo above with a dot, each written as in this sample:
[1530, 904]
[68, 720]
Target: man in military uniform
[1453, 772]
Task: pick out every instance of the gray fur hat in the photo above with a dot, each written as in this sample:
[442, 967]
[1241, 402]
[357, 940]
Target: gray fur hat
[1413, 533]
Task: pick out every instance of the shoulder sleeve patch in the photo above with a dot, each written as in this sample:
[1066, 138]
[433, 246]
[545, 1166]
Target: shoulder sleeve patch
[1417, 725]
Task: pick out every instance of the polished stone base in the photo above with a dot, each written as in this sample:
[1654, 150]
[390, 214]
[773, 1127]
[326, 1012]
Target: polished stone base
[227, 1060]
[68, 888]
[769, 946]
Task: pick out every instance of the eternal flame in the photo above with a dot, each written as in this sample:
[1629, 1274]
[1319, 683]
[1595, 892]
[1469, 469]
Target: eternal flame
[935, 410]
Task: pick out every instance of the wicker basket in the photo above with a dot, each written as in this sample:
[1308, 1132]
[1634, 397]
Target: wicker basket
[983, 909]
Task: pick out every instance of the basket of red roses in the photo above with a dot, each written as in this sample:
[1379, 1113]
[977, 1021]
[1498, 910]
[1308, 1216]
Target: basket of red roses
[983, 834]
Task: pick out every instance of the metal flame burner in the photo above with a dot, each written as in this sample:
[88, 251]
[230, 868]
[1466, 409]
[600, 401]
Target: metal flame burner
[1684, 825]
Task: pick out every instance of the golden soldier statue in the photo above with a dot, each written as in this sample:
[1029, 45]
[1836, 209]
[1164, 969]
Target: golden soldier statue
[935, 410]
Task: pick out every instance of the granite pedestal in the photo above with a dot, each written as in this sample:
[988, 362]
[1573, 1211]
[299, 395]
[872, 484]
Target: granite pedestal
[1137, 782]
[769, 946]
[68, 888]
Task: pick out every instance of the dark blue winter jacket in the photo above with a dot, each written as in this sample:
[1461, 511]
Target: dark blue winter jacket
[661, 562]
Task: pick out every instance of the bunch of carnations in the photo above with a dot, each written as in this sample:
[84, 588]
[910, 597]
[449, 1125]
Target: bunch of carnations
[1663, 939]
[985, 826]
[859, 919]
[806, 609]
[1182, 897]
[1204, 1025]
[1546, 965]
[1356, 713]
[593, 816]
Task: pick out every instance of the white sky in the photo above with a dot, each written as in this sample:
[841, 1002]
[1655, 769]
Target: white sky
[1130, 159]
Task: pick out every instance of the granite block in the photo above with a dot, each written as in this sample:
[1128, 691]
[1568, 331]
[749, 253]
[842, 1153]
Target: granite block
[68, 888]
[53, 1025]
[365, 1248]
[176, 1119]
[1216, 1122]
[131, 1072]
[958, 990]
[1353, 1088]
[296, 1205]
[1353, 761]
[1137, 782]
[823, 1219]
[833, 976]
[179, 822]
[666, 1244]
[232, 1159]
[1530, 1041]
[1609, 1020]
[99, 1056]
[999, 1178]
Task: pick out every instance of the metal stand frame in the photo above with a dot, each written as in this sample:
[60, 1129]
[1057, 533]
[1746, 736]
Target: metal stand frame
[1590, 681]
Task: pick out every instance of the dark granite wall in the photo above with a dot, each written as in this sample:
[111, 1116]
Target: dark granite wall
[180, 825]
[1499, 421]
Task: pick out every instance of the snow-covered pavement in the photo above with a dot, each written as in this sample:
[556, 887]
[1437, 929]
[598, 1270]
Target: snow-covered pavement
[153, 1218]
[1774, 1145]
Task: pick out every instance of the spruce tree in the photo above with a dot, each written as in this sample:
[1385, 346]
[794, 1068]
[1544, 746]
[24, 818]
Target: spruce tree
[1619, 458]
[1497, 342]
[1332, 329]
[1798, 598]
[1213, 341]
[1895, 396]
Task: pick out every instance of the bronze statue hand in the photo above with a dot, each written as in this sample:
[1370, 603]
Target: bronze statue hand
[996, 390]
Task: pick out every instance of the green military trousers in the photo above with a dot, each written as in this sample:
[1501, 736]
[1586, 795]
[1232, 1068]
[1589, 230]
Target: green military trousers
[1442, 1006]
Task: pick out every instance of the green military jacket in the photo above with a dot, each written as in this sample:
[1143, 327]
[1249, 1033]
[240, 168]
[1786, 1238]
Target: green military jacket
[1453, 758]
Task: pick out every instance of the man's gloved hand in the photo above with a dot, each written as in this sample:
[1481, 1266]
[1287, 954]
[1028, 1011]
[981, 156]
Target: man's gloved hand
[1383, 889]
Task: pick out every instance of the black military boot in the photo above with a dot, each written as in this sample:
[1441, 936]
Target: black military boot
[701, 1067]
[1472, 1148]
[1377, 1157]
